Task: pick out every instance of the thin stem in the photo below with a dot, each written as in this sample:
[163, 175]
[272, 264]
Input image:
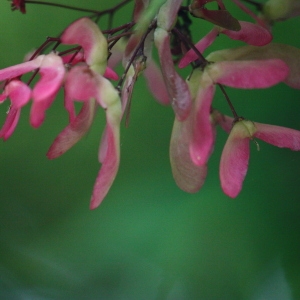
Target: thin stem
[32, 76]
[137, 49]
[75, 49]
[235, 115]
[248, 11]
[117, 37]
[110, 20]
[63, 6]
[56, 45]
[74, 55]
[95, 12]
[130, 25]
[47, 42]
[259, 6]
[116, 29]
[190, 44]
[112, 10]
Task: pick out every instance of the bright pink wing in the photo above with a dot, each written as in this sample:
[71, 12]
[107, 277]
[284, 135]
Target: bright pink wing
[250, 33]
[18, 92]
[234, 163]
[203, 130]
[18, 70]
[205, 42]
[156, 83]
[52, 73]
[10, 123]
[87, 34]
[187, 175]
[249, 74]
[178, 89]
[110, 159]
[278, 136]
[74, 131]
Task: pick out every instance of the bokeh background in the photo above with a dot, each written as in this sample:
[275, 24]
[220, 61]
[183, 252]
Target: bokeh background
[148, 239]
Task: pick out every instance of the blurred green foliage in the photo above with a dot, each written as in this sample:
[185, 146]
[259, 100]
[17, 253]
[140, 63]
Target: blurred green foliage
[148, 240]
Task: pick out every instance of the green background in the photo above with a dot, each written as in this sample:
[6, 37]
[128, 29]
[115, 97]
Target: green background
[148, 239]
